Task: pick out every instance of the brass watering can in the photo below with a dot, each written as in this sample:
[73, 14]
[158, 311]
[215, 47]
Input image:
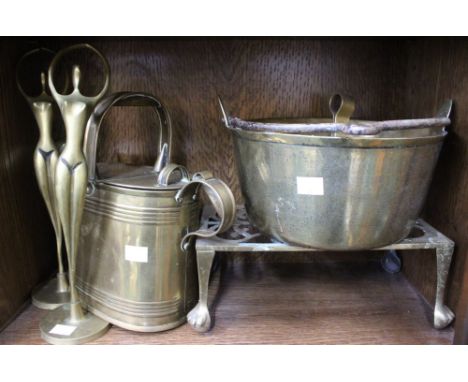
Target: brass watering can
[136, 267]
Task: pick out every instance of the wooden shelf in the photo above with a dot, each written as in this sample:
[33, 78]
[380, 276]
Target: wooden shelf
[257, 77]
[329, 299]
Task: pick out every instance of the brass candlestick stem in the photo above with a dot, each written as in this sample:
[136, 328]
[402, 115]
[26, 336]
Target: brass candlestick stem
[55, 292]
[71, 324]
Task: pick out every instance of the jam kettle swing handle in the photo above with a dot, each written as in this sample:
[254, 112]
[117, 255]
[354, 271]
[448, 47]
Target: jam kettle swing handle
[220, 196]
[342, 108]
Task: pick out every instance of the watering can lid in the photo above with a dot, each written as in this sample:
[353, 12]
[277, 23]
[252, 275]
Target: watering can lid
[171, 177]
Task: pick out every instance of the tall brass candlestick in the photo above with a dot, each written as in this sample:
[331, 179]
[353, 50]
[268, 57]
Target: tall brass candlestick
[55, 292]
[71, 324]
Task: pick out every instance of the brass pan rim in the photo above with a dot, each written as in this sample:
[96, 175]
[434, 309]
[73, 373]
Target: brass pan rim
[352, 141]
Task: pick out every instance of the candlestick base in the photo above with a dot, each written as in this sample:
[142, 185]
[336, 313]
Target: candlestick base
[57, 327]
[52, 294]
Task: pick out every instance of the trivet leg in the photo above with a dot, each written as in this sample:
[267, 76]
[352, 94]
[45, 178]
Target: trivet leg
[199, 317]
[443, 316]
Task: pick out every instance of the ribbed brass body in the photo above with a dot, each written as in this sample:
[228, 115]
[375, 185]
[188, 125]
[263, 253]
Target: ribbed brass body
[120, 284]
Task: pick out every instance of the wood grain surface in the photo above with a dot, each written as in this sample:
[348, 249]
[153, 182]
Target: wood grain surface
[255, 77]
[327, 300]
[436, 71]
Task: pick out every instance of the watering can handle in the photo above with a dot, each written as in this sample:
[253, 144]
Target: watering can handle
[127, 99]
[220, 197]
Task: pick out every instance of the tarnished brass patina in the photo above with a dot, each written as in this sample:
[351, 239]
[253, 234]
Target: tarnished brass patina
[336, 184]
[70, 324]
[53, 293]
[136, 266]
[244, 238]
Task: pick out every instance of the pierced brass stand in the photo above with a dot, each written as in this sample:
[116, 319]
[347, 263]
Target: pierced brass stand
[70, 323]
[243, 237]
[54, 292]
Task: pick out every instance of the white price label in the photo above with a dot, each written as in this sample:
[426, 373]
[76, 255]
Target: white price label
[137, 254]
[63, 330]
[309, 185]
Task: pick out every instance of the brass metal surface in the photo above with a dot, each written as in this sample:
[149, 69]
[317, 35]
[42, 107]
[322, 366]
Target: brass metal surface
[55, 292]
[370, 190]
[152, 293]
[70, 188]
[59, 320]
[243, 237]
[220, 197]
[341, 107]
[132, 269]
[161, 115]
[51, 294]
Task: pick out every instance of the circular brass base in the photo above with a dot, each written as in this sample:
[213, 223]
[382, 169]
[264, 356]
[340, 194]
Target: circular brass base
[47, 296]
[57, 328]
